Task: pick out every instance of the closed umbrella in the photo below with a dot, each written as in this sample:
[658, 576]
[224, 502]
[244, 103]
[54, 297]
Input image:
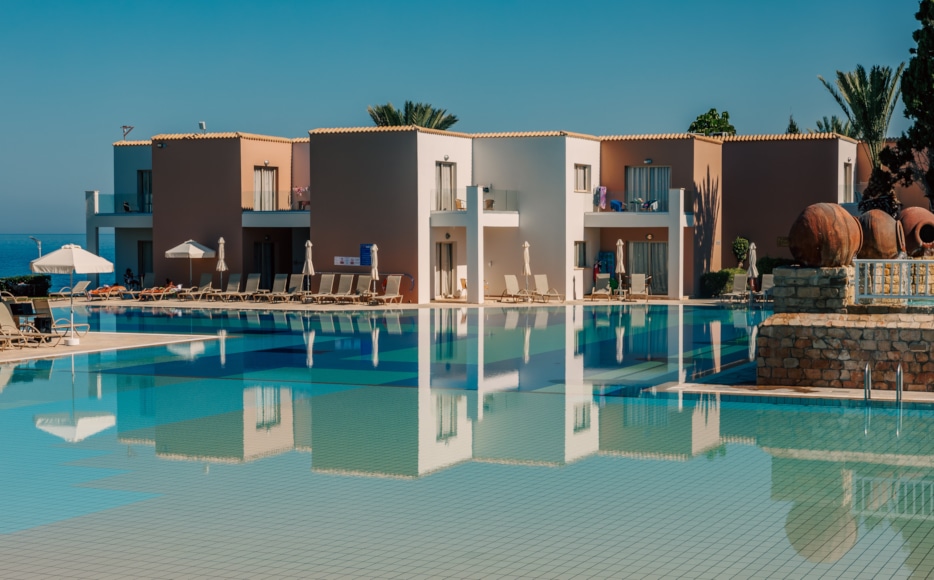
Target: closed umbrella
[221, 264]
[71, 259]
[374, 338]
[308, 268]
[620, 342]
[526, 264]
[527, 345]
[310, 349]
[752, 272]
[374, 264]
[222, 335]
[620, 265]
[192, 250]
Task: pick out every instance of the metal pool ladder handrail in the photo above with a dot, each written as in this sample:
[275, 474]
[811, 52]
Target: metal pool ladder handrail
[867, 384]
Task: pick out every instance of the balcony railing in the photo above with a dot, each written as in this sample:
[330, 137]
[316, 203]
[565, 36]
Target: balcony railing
[297, 201]
[655, 202]
[117, 203]
[456, 200]
[908, 280]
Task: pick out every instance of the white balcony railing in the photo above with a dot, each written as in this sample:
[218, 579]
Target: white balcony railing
[117, 203]
[909, 280]
[456, 200]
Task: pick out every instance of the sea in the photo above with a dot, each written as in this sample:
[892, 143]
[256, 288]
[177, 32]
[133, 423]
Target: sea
[17, 250]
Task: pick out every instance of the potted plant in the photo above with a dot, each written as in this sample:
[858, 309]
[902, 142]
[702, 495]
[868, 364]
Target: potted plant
[740, 250]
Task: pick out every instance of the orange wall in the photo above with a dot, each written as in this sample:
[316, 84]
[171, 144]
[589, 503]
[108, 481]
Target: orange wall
[196, 195]
[696, 167]
[364, 189]
[253, 154]
[768, 184]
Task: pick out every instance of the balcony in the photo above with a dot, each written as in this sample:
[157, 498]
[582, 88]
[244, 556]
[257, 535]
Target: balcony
[641, 213]
[117, 210]
[272, 211]
[456, 200]
[120, 203]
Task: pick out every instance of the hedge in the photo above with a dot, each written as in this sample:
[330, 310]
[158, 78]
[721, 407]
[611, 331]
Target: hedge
[33, 285]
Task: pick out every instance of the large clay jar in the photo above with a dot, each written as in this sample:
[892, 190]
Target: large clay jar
[919, 231]
[825, 236]
[883, 236]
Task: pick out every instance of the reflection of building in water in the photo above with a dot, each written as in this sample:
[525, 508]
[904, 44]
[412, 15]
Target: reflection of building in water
[661, 428]
[219, 424]
[401, 432]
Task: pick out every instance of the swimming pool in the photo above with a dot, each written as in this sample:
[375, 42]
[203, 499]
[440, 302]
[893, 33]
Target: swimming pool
[447, 442]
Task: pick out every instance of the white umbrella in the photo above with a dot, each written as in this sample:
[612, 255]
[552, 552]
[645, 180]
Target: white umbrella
[374, 265]
[221, 264]
[620, 265]
[310, 348]
[71, 259]
[752, 272]
[620, 335]
[190, 249]
[374, 338]
[526, 347]
[74, 427]
[308, 269]
[222, 335]
[187, 350]
[526, 265]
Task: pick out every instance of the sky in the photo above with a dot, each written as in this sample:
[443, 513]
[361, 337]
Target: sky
[74, 72]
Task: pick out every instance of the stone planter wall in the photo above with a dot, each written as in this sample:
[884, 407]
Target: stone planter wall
[813, 289]
[831, 350]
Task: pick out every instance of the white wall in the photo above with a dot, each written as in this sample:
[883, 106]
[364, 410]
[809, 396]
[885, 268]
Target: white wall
[128, 159]
[584, 152]
[535, 168]
[846, 153]
[126, 251]
[433, 148]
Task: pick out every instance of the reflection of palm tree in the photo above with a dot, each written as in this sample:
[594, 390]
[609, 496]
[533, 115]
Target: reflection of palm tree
[868, 102]
[418, 114]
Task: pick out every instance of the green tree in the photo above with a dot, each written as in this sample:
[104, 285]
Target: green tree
[834, 125]
[712, 122]
[793, 128]
[912, 159]
[868, 102]
[418, 114]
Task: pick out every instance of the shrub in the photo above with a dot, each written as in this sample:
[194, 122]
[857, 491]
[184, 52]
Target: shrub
[740, 248]
[33, 285]
[715, 283]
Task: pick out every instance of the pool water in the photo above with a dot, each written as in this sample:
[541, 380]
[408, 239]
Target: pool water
[519, 442]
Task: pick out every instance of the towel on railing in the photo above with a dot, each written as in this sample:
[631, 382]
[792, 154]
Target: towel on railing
[599, 197]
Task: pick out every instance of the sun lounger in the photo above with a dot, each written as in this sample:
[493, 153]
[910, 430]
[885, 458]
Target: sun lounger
[279, 284]
[344, 288]
[59, 325]
[105, 292]
[513, 291]
[325, 290]
[601, 288]
[543, 291]
[233, 289]
[249, 290]
[765, 293]
[157, 293]
[739, 291]
[22, 333]
[391, 293]
[146, 284]
[638, 287]
[197, 293]
[362, 293]
[79, 289]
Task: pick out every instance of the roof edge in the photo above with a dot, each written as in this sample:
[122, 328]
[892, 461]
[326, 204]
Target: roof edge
[138, 143]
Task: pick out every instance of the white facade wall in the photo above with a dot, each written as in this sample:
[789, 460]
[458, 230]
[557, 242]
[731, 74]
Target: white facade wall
[433, 148]
[128, 159]
[846, 153]
[534, 167]
[126, 251]
[582, 152]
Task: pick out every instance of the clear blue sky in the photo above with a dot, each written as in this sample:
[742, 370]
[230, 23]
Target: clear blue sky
[74, 72]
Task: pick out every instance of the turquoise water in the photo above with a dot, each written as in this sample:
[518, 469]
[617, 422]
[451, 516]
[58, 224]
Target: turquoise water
[521, 442]
[17, 250]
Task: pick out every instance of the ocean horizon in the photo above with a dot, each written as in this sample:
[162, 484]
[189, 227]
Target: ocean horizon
[17, 250]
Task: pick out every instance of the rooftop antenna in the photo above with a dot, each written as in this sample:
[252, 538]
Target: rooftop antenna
[126, 130]
[203, 126]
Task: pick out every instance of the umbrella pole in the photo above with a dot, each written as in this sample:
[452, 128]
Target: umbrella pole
[72, 340]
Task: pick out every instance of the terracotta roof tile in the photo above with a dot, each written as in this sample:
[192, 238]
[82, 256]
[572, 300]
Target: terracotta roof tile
[789, 137]
[395, 129]
[662, 137]
[231, 135]
[142, 143]
[534, 134]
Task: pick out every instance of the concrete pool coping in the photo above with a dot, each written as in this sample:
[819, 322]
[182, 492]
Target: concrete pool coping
[94, 342]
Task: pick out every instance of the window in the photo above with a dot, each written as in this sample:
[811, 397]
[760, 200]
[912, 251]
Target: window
[447, 417]
[144, 190]
[581, 177]
[446, 183]
[268, 407]
[265, 180]
[648, 184]
[582, 417]
[580, 254]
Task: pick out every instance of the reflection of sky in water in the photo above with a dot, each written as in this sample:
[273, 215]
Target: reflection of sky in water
[502, 450]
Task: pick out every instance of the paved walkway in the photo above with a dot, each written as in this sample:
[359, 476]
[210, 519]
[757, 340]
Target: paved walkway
[99, 342]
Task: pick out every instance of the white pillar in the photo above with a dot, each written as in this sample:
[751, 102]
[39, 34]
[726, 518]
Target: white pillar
[475, 254]
[92, 208]
[676, 227]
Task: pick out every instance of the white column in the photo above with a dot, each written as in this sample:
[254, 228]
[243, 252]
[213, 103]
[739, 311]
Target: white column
[676, 227]
[92, 207]
[475, 254]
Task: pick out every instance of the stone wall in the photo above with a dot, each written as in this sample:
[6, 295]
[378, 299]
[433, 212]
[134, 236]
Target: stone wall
[831, 350]
[813, 289]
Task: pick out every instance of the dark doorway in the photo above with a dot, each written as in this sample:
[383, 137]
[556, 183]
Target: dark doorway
[264, 262]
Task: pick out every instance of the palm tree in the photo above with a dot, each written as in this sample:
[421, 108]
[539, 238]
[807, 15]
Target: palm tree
[418, 114]
[868, 102]
[834, 125]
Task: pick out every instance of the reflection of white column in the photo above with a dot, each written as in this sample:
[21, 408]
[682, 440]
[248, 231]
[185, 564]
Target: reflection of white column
[423, 318]
[475, 253]
[715, 344]
[445, 433]
[676, 342]
[573, 364]
[475, 358]
[581, 422]
[676, 226]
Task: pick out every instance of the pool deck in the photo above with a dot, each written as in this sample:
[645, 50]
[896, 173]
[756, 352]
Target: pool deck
[99, 342]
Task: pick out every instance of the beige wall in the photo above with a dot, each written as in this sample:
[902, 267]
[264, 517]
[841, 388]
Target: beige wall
[255, 153]
[705, 199]
[768, 184]
[196, 187]
[364, 189]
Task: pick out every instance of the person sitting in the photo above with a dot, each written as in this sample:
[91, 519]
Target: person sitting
[126, 207]
[130, 281]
